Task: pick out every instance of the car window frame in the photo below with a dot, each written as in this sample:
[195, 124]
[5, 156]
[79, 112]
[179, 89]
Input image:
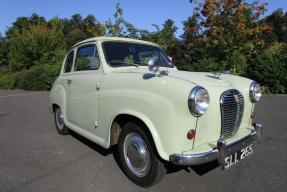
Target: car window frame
[65, 64]
[83, 46]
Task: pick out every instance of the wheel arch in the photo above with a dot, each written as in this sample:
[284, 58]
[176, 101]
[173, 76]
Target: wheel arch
[119, 121]
[58, 99]
[54, 106]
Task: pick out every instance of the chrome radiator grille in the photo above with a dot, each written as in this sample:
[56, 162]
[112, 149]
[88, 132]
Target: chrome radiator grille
[232, 108]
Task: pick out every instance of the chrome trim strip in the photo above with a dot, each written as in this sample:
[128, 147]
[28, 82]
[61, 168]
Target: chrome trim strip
[221, 145]
[194, 159]
[220, 152]
[258, 130]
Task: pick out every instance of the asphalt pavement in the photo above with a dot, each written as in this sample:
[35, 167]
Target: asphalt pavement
[34, 157]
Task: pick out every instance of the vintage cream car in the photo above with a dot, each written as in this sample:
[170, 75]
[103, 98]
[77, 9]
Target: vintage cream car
[125, 92]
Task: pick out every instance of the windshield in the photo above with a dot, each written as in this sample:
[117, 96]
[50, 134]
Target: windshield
[119, 54]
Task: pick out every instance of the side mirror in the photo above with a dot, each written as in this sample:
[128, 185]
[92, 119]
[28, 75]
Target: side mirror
[170, 58]
[152, 65]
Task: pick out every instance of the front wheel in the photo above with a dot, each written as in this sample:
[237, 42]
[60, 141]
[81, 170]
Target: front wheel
[138, 157]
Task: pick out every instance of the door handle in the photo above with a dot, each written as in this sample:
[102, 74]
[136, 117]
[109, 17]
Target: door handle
[69, 81]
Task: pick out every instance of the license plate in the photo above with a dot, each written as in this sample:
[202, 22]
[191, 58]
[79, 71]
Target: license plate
[238, 156]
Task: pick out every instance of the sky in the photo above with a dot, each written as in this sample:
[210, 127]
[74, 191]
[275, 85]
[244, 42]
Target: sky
[141, 13]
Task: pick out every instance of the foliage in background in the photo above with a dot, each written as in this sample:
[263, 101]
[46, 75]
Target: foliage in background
[220, 35]
[229, 31]
[232, 35]
[3, 54]
[35, 46]
[6, 81]
[270, 69]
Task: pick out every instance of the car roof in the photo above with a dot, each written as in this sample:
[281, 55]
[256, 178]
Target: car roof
[104, 38]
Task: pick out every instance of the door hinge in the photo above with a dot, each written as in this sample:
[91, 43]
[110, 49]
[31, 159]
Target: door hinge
[98, 86]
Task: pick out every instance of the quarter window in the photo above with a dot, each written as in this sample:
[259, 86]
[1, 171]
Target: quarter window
[87, 58]
[69, 62]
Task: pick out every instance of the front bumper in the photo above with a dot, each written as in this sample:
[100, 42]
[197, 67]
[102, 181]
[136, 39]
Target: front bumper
[220, 152]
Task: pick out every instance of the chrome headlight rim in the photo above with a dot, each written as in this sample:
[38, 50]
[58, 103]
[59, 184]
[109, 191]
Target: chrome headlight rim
[193, 106]
[254, 92]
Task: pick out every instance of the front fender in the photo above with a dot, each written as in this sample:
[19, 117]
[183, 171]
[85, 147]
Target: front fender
[147, 121]
[165, 114]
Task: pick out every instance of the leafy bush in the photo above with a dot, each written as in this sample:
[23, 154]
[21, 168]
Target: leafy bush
[270, 70]
[31, 46]
[205, 64]
[37, 78]
[7, 81]
[237, 63]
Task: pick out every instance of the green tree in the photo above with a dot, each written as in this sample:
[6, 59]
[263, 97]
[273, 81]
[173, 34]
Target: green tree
[165, 36]
[115, 27]
[132, 32]
[92, 27]
[270, 70]
[34, 46]
[24, 23]
[3, 53]
[278, 21]
[119, 27]
[229, 29]
[170, 43]
[77, 29]
[194, 44]
[73, 30]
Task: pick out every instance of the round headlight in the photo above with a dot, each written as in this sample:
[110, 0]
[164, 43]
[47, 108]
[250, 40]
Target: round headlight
[198, 101]
[255, 92]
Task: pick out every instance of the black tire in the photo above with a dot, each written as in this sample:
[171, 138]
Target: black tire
[60, 126]
[156, 169]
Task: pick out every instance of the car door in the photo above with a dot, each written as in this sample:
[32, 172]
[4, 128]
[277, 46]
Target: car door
[67, 73]
[82, 88]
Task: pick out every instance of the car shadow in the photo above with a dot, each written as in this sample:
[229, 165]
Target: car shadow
[92, 145]
[199, 169]
[105, 152]
[205, 168]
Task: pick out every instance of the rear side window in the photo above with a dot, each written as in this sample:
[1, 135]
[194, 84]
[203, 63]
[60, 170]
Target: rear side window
[87, 58]
[69, 62]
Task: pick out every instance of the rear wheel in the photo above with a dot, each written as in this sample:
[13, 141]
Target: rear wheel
[138, 157]
[59, 122]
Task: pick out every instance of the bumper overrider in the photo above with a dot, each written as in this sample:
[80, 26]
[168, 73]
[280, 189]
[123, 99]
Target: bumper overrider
[220, 152]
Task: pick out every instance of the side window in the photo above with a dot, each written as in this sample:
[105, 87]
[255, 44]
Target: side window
[69, 62]
[87, 58]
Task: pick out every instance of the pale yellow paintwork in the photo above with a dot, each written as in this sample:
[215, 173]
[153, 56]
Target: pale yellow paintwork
[160, 102]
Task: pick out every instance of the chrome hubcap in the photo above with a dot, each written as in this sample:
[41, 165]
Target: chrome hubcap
[59, 119]
[136, 154]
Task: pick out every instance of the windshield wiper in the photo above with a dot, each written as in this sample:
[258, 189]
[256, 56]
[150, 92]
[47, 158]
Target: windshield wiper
[122, 63]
